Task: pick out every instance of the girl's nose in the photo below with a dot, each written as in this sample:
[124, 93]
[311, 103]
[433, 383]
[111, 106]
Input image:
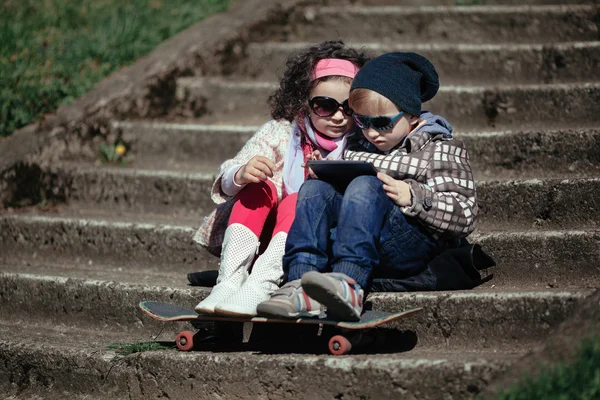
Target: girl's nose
[339, 115]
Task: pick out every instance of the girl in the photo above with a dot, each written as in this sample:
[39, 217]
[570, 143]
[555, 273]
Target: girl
[257, 189]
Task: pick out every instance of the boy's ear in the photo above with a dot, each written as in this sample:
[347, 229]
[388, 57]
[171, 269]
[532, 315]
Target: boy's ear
[413, 120]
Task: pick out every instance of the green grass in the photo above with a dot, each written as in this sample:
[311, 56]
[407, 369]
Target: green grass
[53, 51]
[577, 381]
[125, 349]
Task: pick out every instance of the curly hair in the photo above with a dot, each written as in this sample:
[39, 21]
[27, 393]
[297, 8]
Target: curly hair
[290, 101]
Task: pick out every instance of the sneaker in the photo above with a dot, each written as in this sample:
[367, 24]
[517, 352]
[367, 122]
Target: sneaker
[289, 301]
[342, 296]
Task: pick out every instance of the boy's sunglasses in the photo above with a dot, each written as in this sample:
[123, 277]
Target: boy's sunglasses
[326, 106]
[379, 123]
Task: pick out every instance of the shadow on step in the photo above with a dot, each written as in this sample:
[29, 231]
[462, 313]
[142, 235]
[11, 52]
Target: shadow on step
[225, 337]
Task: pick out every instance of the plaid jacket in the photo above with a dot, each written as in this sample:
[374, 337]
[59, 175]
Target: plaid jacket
[437, 169]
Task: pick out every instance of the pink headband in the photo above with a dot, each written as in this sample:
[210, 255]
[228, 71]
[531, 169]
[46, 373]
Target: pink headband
[334, 66]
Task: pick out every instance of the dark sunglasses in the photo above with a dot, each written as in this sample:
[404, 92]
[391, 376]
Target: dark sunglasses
[379, 123]
[326, 106]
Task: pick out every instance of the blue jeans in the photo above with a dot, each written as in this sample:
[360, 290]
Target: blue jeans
[361, 233]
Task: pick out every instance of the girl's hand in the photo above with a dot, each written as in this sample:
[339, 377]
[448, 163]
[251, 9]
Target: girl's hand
[398, 191]
[258, 169]
[316, 155]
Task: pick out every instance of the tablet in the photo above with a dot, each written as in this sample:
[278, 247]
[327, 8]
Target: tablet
[341, 172]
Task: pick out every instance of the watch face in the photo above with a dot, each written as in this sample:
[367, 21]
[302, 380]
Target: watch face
[427, 203]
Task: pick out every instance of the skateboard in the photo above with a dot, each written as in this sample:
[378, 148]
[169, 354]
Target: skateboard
[339, 344]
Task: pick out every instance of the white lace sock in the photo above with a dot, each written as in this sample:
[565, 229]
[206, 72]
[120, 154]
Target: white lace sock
[239, 248]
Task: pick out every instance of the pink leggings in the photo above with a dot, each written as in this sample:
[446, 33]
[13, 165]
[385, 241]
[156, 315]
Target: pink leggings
[257, 206]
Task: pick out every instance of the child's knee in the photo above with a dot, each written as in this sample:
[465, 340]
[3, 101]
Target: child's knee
[364, 187]
[315, 188]
[259, 194]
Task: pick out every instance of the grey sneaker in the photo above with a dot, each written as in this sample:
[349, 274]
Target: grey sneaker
[339, 293]
[289, 301]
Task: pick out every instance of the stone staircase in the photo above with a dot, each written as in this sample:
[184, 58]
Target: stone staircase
[519, 84]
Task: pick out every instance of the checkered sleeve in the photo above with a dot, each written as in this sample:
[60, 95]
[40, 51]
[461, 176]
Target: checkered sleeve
[397, 165]
[446, 202]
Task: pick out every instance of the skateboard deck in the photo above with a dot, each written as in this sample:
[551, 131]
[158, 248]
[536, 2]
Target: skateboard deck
[339, 344]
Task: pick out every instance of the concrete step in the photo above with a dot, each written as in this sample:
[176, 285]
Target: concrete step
[456, 64]
[103, 238]
[494, 154]
[551, 259]
[182, 195]
[86, 369]
[540, 258]
[183, 146]
[57, 361]
[468, 108]
[541, 153]
[451, 3]
[561, 204]
[186, 196]
[467, 24]
[475, 320]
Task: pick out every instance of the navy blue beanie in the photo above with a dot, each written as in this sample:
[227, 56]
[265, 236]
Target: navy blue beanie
[406, 79]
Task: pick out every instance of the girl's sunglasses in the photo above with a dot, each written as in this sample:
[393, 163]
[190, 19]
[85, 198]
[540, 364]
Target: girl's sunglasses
[326, 106]
[379, 123]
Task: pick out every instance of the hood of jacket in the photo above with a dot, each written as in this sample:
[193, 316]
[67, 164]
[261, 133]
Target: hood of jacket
[435, 125]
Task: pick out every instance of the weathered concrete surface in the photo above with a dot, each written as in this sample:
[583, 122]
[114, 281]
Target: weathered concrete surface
[494, 154]
[456, 63]
[310, 377]
[567, 203]
[400, 23]
[525, 258]
[107, 240]
[534, 153]
[481, 319]
[86, 369]
[547, 203]
[92, 304]
[182, 195]
[143, 89]
[559, 347]
[484, 319]
[468, 3]
[470, 108]
[543, 259]
[44, 361]
[183, 146]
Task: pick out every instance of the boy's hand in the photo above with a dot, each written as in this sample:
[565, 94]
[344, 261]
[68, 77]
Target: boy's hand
[256, 170]
[398, 191]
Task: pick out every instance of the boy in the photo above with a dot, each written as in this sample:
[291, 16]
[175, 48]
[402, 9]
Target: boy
[422, 200]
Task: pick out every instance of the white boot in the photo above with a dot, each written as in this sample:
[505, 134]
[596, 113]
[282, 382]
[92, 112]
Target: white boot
[265, 279]
[240, 245]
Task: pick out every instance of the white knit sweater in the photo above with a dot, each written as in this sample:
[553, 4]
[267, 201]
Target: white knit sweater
[271, 141]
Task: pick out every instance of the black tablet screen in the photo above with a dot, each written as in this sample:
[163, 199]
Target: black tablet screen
[341, 172]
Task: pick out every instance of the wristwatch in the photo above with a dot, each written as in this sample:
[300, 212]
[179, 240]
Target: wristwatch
[427, 203]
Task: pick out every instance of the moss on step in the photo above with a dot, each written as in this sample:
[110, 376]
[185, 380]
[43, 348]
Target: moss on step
[124, 349]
